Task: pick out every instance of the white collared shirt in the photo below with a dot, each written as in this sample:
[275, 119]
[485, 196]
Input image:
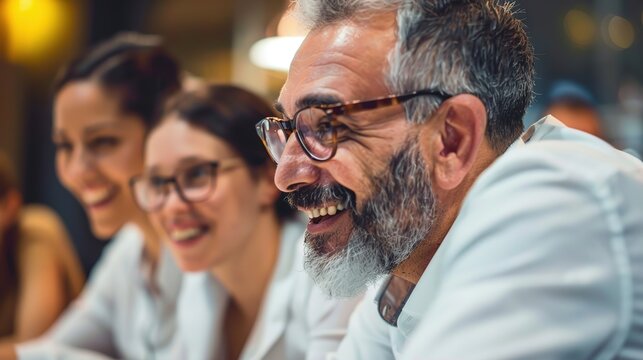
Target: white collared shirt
[122, 313]
[544, 261]
[296, 321]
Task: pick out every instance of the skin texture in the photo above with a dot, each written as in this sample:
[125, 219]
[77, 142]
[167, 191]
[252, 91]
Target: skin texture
[342, 61]
[241, 242]
[99, 148]
[47, 266]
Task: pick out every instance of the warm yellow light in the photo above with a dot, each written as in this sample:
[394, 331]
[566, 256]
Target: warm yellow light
[621, 32]
[289, 25]
[580, 27]
[33, 27]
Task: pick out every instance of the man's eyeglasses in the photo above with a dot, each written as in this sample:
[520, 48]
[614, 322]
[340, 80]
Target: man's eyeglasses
[316, 126]
[192, 184]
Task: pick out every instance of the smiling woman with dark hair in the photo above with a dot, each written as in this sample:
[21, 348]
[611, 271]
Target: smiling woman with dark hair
[105, 103]
[212, 197]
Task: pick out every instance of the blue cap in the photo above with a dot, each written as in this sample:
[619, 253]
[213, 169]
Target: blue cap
[569, 90]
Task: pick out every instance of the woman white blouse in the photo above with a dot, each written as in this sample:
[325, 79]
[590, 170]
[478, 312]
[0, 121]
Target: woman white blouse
[104, 105]
[295, 321]
[127, 310]
[211, 194]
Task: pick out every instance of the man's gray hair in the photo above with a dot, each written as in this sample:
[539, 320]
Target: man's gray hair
[477, 47]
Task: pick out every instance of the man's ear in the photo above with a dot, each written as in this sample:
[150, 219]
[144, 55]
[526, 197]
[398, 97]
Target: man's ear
[460, 127]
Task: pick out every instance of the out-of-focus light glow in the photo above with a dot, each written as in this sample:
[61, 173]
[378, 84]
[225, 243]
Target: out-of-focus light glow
[580, 27]
[620, 32]
[33, 27]
[275, 53]
[290, 26]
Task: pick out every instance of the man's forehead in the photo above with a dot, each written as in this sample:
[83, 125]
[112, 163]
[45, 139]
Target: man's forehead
[340, 61]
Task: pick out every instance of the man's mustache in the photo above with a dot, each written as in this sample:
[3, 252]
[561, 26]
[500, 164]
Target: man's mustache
[316, 196]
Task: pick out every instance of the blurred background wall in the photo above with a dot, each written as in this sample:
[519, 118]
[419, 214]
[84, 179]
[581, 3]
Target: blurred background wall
[595, 43]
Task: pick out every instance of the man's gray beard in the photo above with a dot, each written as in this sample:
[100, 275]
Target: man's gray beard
[393, 222]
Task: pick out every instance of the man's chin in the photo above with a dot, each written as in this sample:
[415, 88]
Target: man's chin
[324, 245]
[340, 271]
[330, 242]
[340, 279]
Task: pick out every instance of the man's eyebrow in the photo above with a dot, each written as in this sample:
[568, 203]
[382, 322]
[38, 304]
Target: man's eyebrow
[310, 100]
[279, 107]
[317, 99]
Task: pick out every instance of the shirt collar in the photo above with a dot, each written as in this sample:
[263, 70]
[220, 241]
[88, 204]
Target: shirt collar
[162, 280]
[426, 287]
[538, 130]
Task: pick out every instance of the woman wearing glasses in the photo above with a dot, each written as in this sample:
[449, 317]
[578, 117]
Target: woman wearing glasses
[105, 103]
[211, 194]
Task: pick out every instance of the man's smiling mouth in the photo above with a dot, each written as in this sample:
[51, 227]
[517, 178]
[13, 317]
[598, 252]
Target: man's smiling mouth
[321, 213]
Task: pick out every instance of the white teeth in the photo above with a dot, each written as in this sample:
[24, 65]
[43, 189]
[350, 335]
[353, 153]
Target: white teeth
[182, 235]
[95, 196]
[331, 210]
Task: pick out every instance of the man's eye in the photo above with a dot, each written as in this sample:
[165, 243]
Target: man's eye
[324, 131]
[324, 127]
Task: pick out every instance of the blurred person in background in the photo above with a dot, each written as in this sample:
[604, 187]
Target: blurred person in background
[212, 196]
[575, 107]
[39, 271]
[104, 104]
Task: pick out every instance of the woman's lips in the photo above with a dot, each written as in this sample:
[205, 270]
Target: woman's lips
[97, 198]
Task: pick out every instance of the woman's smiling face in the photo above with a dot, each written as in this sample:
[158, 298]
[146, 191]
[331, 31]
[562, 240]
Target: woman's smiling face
[98, 149]
[215, 229]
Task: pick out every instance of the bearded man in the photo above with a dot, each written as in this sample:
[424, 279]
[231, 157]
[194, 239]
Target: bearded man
[410, 159]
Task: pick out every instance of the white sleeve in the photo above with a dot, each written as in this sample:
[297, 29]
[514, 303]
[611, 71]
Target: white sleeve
[528, 272]
[368, 335]
[327, 320]
[40, 350]
[88, 323]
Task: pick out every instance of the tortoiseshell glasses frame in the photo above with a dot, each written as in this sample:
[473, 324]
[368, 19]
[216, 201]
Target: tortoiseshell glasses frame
[316, 125]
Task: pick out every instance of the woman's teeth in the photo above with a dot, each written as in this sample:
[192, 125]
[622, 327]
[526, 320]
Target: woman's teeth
[96, 196]
[185, 234]
[318, 212]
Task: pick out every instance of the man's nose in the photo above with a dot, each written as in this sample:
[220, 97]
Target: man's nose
[295, 168]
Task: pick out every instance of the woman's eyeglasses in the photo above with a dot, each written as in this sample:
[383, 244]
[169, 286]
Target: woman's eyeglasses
[192, 184]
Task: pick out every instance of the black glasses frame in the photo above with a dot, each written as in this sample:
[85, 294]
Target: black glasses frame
[289, 125]
[215, 167]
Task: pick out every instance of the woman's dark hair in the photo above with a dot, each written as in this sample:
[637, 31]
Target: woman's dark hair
[229, 113]
[8, 252]
[134, 67]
